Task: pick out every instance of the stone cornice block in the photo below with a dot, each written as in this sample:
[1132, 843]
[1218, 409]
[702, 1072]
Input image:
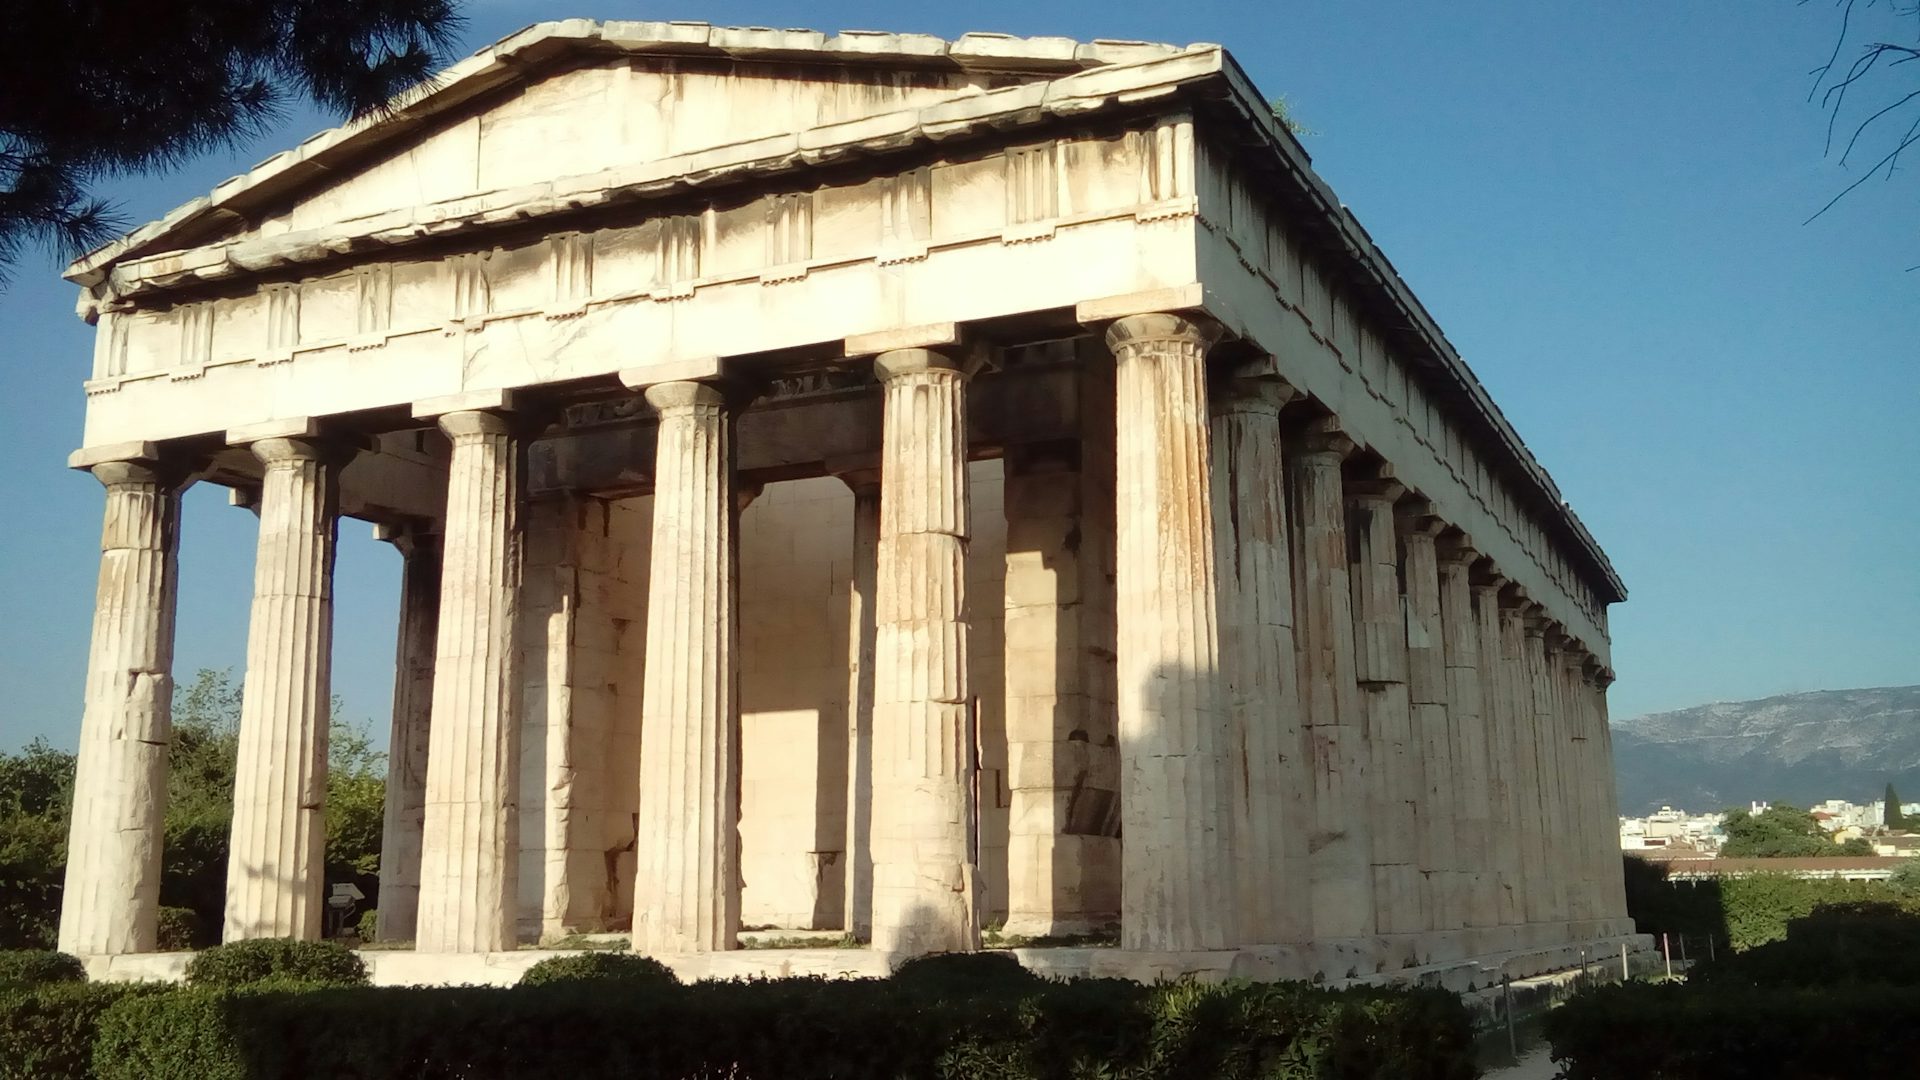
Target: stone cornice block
[501, 400]
[88, 456]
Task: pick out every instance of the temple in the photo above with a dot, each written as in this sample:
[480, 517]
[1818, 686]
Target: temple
[866, 483]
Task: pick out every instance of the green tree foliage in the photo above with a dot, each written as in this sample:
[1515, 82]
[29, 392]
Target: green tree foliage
[1779, 831]
[1893, 817]
[36, 790]
[90, 90]
[1905, 881]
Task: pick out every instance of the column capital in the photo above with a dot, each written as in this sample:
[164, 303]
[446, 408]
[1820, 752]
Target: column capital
[896, 363]
[1145, 329]
[684, 396]
[474, 423]
[282, 453]
[860, 473]
[1241, 393]
[161, 474]
[1416, 520]
[1322, 436]
[1456, 546]
[1377, 490]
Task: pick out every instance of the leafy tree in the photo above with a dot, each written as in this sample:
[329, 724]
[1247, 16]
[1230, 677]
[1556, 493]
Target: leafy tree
[1906, 879]
[92, 89]
[1779, 831]
[36, 792]
[1893, 818]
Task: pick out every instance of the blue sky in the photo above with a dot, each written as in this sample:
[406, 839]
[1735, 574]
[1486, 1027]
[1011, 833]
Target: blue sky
[1601, 204]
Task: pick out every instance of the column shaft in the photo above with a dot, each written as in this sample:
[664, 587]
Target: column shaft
[1432, 738]
[1614, 894]
[686, 894]
[111, 901]
[1473, 777]
[1580, 791]
[925, 877]
[1339, 846]
[276, 866]
[470, 833]
[404, 812]
[1508, 836]
[1272, 789]
[1176, 878]
[860, 663]
[1380, 640]
[1549, 749]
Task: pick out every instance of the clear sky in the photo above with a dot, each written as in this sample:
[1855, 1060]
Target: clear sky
[1600, 203]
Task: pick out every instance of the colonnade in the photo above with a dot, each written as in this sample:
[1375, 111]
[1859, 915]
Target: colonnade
[1336, 719]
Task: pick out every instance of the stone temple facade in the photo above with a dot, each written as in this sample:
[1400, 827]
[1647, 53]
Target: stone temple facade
[865, 483]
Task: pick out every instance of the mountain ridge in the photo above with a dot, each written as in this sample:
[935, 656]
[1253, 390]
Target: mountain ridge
[1800, 748]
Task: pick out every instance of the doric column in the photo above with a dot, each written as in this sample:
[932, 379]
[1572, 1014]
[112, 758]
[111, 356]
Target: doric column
[925, 880]
[111, 902]
[1579, 797]
[1340, 860]
[1272, 792]
[865, 485]
[1176, 878]
[406, 800]
[1614, 890]
[1505, 840]
[1063, 855]
[686, 895]
[1523, 725]
[1473, 778]
[1380, 655]
[1432, 740]
[276, 866]
[1536, 702]
[470, 836]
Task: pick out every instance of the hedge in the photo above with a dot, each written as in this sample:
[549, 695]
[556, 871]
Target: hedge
[33, 967]
[47, 1032]
[1679, 1031]
[261, 960]
[1838, 943]
[790, 1028]
[624, 968]
[1742, 912]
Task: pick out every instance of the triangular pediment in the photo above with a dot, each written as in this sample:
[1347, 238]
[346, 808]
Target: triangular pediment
[579, 97]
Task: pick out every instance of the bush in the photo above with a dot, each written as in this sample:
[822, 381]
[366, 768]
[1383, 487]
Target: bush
[179, 929]
[47, 1032]
[1839, 943]
[1684, 1031]
[964, 972]
[368, 927]
[792, 1029]
[246, 963]
[600, 966]
[34, 967]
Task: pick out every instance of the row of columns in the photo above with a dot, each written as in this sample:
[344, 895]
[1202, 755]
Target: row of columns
[1334, 720]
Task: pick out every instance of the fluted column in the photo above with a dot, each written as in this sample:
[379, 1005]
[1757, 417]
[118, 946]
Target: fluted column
[1579, 798]
[276, 865]
[1176, 879]
[1380, 655]
[1536, 708]
[861, 631]
[926, 884]
[686, 895]
[404, 811]
[1432, 739]
[1543, 656]
[111, 901]
[1466, 716]
[1523, 726]
[1506, 845]
[1340, 859]
[470, 834]
[1272, 792]
[1614, 893]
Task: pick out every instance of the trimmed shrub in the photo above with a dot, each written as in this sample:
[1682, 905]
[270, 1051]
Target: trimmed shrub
[1682, 1031]
[179, 929]
[34, 967]
[600, 966]
[47, 1031]
[965, 973]
[1839, 943]
[791, 1029]
[368, 926]
[246, 963]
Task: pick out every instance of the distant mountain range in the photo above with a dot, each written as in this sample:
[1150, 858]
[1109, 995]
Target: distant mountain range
[1797, 748]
